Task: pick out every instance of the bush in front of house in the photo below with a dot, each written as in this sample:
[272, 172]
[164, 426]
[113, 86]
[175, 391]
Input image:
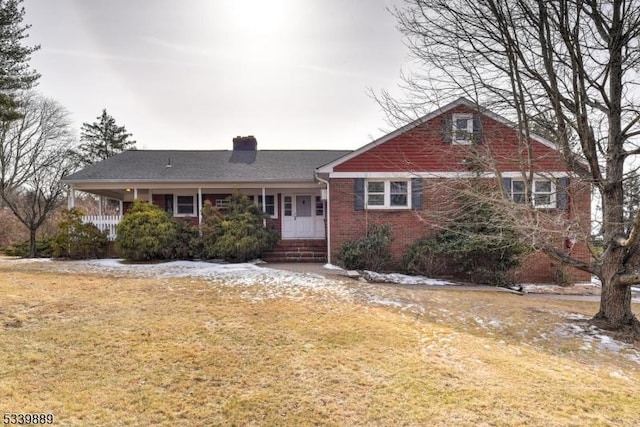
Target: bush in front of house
[371, 252]
[238, 235]
[188, 243]
[77, 240]
[146, 232]
[427, 256]
[477, 245]
[210, 230]
[43, 248]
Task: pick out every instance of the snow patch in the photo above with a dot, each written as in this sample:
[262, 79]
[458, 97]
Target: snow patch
[403, 279]
[332, 267]
[593, 336]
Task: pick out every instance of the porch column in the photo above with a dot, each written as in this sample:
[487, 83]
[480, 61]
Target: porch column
[121, 207]
[135, 193]
[264, 206]
[199, 206]
[71, 198]
[100, 204]
[150, 196]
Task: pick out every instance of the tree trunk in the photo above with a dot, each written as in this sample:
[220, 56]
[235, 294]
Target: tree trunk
[32, 244]
[615, 310]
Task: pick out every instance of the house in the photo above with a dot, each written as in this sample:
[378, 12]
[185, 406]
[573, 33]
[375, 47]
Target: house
[330, 197]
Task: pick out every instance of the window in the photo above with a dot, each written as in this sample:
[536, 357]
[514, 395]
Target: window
[288, 206]
[185, 205]
[375, 193]
[319, 206]
[387, 194]
[270, 207]
[543, 193]
[222, 203]
[462, 131]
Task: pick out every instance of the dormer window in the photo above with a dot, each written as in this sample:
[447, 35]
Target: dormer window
[462, 131]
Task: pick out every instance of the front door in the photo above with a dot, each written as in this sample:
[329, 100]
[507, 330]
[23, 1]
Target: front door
[297, 217]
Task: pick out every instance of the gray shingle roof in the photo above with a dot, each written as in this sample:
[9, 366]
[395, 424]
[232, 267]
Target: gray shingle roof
[208, 166]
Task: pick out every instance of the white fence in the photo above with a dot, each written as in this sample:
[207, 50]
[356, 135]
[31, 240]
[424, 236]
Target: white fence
[106, 223]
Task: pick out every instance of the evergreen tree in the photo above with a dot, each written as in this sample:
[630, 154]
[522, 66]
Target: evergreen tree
[103, 139]
[15, 73]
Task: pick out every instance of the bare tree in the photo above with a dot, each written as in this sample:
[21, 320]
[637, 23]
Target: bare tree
[566, 67]
[35, 154]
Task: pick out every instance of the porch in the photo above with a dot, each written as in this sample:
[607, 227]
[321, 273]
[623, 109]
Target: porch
[296, 213]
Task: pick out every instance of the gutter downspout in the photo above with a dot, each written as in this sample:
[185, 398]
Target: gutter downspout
[327, 217]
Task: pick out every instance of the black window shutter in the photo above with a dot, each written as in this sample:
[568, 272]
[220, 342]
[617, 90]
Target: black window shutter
[562, 194]
[506, 184]
[416, 194]
[447, 129]
[358, 184]
[477, 129]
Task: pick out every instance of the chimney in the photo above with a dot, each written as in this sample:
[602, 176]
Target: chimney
[245, 143]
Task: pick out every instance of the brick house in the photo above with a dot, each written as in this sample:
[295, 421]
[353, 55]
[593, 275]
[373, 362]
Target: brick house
[319, 199]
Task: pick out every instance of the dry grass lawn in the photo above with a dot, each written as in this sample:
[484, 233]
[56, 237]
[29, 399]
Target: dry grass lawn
[107, 350]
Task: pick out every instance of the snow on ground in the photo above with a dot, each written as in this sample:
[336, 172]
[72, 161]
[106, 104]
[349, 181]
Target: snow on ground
[332, 267]
[403, 279]
[593, 336]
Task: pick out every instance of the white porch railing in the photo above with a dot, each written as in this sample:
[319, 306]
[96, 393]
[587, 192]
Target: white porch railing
[106, 223]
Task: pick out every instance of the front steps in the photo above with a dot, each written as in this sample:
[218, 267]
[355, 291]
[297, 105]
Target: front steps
[297, 251]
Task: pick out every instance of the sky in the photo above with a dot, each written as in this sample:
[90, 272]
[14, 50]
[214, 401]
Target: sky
[192, 74]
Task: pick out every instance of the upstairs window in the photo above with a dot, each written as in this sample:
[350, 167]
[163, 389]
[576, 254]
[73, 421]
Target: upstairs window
[462, 129]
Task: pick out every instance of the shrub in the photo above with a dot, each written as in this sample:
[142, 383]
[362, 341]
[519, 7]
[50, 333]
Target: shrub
[477, 245]
[238, 235]
[211, 229]
[187, 243]
[427, 257]
[43, 249]
[371, 252]
[146, 232]
[76, 239]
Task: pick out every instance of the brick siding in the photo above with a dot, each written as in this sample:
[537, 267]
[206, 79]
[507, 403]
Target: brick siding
[410, 225]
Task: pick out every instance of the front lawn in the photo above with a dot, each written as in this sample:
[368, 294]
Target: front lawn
[120, 349]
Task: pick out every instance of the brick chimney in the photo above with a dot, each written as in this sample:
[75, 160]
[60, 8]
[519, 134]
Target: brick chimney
[245, 143]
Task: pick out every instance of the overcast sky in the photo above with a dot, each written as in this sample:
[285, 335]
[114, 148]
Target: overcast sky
[192, 74]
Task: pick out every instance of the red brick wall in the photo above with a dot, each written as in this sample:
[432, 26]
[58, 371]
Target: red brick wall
[410, 225]
[422, 149]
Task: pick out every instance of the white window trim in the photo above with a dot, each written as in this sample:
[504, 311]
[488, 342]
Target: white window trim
[552, 199]
[469, 118]
[175, 205]
[387, 195]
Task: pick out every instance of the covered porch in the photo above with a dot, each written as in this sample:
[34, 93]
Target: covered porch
[296, 211]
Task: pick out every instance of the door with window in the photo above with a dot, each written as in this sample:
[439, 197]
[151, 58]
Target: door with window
[298, 216]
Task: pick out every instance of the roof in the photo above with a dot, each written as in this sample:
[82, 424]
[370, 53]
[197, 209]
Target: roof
[207, 166]
[460, 101]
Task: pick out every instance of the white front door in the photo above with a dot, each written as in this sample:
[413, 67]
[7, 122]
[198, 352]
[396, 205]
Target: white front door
[297, 216]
